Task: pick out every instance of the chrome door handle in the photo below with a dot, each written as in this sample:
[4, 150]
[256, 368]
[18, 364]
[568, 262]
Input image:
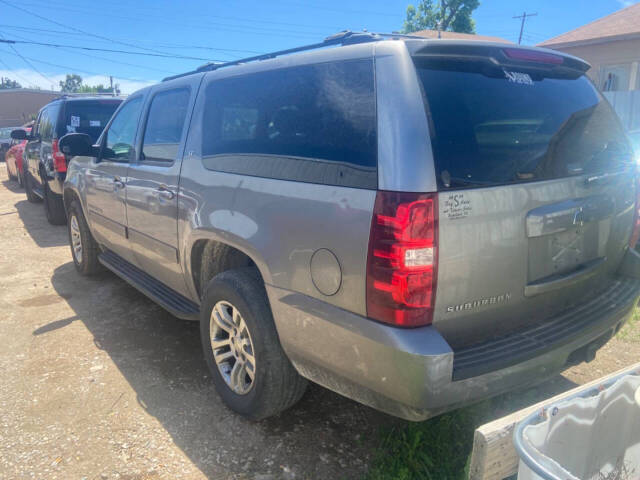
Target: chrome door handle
[164, 192]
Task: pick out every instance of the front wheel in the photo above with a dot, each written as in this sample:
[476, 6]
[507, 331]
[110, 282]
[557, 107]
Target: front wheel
[250, 370]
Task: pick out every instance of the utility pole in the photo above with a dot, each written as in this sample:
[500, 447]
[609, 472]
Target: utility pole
[523, 17]
[111, 82]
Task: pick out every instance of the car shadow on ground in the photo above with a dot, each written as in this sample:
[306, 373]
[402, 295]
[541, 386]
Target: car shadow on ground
[41, 231]
[12, 186]
[324, 436]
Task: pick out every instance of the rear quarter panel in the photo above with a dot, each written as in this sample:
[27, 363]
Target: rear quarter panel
[279, 225]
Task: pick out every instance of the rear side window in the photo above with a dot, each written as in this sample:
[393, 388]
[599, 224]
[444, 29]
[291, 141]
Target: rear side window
[495, 127]
[165, 124]
[313, 123]
[47, 122]
[88, 117]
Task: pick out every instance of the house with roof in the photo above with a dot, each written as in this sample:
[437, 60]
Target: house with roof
[611, 45]
[19, 105]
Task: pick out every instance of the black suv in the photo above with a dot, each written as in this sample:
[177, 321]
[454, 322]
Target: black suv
[45, 165]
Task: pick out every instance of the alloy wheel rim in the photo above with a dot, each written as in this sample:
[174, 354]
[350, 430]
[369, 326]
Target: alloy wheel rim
[232, 347]
[76, 239]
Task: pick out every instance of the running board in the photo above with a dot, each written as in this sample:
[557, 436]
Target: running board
[167, 298]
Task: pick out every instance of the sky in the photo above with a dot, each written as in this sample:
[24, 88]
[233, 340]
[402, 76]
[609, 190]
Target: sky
[153, 32]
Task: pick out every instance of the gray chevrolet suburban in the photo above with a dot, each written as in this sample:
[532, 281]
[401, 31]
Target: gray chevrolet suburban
[414, 224]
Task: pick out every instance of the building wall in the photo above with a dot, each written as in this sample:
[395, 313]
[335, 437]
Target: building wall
[604, 57]
[17, 106]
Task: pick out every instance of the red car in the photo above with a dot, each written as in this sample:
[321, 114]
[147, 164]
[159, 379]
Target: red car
[13, 159]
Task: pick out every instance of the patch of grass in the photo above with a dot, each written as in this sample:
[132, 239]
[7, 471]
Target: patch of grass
[631, 331]
[437, 449]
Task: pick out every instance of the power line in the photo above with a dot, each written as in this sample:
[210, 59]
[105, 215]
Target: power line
[250, 21]
[162, 55]
[74, 69]
[524, 18]
[24, 10]
[9, 69]
[219, 26]
[25, 60]
[105, 58]
[174, 46]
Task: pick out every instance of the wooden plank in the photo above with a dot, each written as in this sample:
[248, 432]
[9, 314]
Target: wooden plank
[493, 456]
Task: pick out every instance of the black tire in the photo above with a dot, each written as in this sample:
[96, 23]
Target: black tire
[31, 196]
[86, 262]
[53, 206]
[276, 385]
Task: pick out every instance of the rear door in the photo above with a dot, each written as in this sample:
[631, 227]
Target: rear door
[152, 185]
[106, 179]
[38, 150]
[536, 193]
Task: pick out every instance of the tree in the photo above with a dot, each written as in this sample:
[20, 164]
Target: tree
[6, 83]
[453, 16]
[71, 84]
[100, 88]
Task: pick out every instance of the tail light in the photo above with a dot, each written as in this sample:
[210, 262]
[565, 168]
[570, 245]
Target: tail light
[635, 235]
[59, 158]
[403, 259]
[533, 56]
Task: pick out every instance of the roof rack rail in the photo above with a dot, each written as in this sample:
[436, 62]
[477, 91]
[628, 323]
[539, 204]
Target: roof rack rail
[346, 37]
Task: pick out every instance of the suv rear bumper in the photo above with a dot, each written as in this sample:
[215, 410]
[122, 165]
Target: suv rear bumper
[410, 373]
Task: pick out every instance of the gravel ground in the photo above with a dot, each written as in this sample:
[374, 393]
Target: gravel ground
[98, 382]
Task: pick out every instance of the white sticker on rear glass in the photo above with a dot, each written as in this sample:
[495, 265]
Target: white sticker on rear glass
[94, 123]
[518, 77]
[75, 121]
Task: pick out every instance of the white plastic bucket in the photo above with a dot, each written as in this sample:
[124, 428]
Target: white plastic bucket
[592, 435]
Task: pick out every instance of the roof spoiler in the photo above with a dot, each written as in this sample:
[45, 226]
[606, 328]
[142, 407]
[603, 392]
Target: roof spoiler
[500, 54]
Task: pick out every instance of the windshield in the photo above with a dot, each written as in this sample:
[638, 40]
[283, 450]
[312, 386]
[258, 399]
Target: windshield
[88, 117]
[492, 126]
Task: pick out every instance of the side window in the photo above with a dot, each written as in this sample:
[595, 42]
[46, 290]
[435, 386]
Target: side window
[45, 129]
[313, 123]
[119, 139]
[165, 124]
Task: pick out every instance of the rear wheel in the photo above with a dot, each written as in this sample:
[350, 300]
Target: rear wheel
[250, 370]
[31, 196]
[11, 177]
[84, 248]
[53, 206]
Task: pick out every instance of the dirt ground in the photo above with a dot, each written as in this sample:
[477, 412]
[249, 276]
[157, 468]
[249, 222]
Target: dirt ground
[96, 381]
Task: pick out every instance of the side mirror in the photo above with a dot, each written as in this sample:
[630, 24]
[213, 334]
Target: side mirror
[19, 134]
[77, 144]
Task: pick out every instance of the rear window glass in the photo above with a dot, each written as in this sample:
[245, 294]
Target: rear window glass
[313, 123]
[165, 124]
[87, 117]
[495, 126]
